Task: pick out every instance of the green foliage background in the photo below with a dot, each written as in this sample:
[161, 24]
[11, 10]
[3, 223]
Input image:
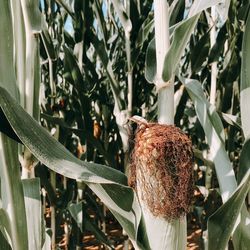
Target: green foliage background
[88, 50]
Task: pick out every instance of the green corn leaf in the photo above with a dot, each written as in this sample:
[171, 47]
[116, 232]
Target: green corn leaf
[116, 196]
[66, 7]
[150, 67]
[231, 119]
[7, 74]
[101, 21]
[4, 243]
[200, 5]
[143, 35]
[47, 243]
[245, 81]
[73, 69]
[212, 126]
[199, 52]
[5, 226]
[33, 207]
[29, 130]
[180, 35]
[79, 132]
[222, 10]
[222, 222]
[180, 39]
[125, 21]
[244, 160]
[19, 48]
[33, 15]
[100, 236]
[145, 29]
[214, 131]
[12, 192]
[242, 231]
[48, 44]
[107, 64]
[176, 10]
[77, 212]
[123, 217]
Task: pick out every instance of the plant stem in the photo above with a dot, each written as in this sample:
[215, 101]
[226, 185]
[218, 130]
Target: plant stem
[12, 193]
[170, 234]
[53, 212]
[213, 84]
[162, 43]
[214, 64]
[130, 70]
[130, 90]
[20, 48]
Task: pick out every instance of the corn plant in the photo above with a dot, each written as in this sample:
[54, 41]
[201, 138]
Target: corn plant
[89, 86]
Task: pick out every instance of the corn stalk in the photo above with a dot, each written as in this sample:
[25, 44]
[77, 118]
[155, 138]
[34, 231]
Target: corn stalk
[162, 233]
[22, 79]
[11, 186]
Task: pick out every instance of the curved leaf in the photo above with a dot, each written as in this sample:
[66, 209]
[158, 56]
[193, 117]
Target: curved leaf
[245, 81]
[244, 161]
[150, 69]
[124, 19]
[33, 15]
[200, 5]
[214, 131]
[81, 218]
[33, 207]
[49, 151]
[224, 170]
[180, 39]
[118, 197]
[12, 192]
[48, 44]
[66, 7]
[7, 73]
[5, 225]
[222, 222]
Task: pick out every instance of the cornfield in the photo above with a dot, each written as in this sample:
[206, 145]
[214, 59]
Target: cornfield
[124, 124]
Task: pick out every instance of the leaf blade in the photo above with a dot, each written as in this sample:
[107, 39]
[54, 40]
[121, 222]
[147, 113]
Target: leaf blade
[245, 81]
[221, 223]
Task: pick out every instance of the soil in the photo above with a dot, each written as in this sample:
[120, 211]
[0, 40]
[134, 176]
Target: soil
[116, 236]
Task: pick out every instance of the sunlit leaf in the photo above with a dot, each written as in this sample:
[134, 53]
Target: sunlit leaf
[6, 50]
[4, 243]
[5, 226]
[180, 39]
[66, 7]
[222, 222]
[124, 19]
[214, 131]
[56, 157]
[200, 5]
[245, 81]
[83, 220]
[33, 15]
[150, 69]
[12, 192]
[244, 160]
[211, 124]
[33, 207]
[48, 44]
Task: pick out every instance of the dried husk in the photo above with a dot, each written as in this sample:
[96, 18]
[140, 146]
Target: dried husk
[162, 168]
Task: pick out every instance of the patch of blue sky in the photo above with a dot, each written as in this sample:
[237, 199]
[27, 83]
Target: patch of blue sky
[42, 4]
[68, 26]
[105, 9]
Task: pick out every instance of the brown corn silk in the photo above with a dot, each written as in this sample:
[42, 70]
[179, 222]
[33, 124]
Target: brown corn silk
[162, 167]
